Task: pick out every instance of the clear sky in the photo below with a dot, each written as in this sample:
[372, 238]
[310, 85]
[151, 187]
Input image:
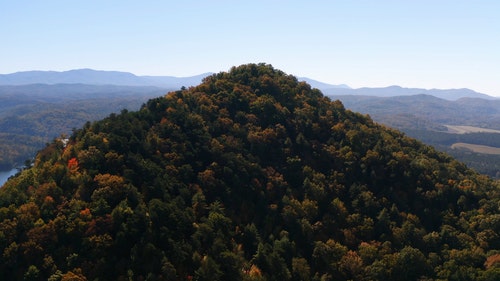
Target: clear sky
[425, 43]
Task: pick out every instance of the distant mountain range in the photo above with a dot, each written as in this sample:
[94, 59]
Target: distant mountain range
[395, 91]
[99, 77]
[322, 86]
[405, 112]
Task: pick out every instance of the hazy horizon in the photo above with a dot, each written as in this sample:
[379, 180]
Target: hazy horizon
[199, 74]
[425, 44]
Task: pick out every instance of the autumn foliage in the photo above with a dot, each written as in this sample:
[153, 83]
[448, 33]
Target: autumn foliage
[73, 164]
[251, 175]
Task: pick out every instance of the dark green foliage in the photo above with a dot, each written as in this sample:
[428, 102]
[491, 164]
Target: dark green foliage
[251, 175]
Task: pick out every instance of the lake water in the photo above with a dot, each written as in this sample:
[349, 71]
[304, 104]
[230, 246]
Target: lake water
[4, 175]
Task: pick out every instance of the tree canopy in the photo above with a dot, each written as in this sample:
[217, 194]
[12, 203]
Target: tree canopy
[251, 175]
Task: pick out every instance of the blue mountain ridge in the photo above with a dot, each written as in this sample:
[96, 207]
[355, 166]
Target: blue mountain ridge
[100, 77]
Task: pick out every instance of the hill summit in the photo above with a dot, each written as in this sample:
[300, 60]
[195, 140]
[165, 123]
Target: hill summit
[250, 175]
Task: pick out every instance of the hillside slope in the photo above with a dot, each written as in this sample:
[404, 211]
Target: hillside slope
[428, 119]
[33, 115]
[251, 175]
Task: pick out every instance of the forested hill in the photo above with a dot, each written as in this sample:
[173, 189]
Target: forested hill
[250, 175]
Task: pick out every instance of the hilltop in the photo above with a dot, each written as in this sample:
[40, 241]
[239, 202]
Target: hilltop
[250, 175]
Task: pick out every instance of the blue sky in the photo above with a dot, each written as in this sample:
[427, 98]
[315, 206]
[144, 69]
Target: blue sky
[426, 44]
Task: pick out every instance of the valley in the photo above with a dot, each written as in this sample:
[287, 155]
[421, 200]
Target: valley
[475, 148]
[428, 119]
[32, 115]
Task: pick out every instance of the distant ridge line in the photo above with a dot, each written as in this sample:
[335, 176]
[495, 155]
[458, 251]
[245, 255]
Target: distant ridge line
[97, 77]
[105, 77]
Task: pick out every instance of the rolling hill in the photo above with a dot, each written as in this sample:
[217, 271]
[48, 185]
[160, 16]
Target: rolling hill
[33, 114]
[250, 175]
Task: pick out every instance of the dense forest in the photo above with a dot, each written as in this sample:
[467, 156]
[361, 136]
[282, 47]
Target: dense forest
[250, 175]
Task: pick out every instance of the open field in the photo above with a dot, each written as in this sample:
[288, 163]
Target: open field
[469, 129]
[477, 148]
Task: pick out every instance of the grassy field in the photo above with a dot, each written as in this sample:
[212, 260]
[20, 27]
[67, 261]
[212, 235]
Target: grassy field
[477, 148]
[468, 129]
